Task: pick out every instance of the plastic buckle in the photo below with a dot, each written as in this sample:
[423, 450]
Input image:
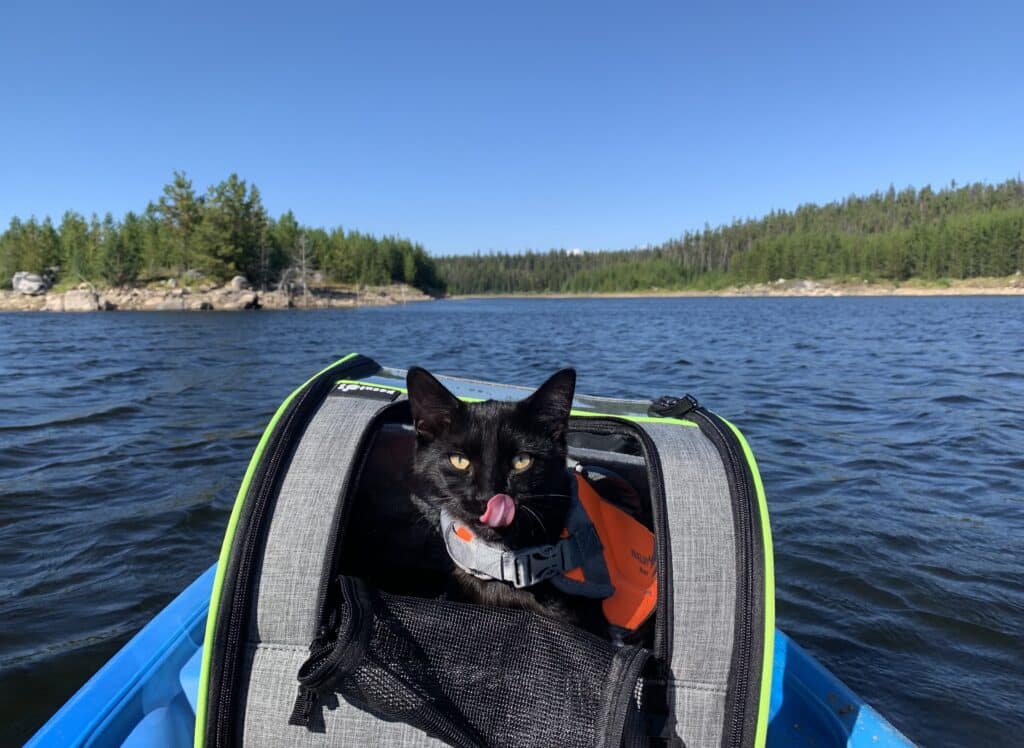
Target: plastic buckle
[536, 565]
[667, 406]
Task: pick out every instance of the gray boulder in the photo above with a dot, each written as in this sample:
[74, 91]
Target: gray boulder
[29, 284]
[239, 283]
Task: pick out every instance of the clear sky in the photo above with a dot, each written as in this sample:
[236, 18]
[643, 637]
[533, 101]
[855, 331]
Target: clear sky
[506, 126]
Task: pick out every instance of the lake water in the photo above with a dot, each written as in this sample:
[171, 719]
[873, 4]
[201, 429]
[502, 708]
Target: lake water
[888, 432]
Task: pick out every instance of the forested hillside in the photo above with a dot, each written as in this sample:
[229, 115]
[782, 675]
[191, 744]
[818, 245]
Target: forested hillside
[956, 232]
[216, 235]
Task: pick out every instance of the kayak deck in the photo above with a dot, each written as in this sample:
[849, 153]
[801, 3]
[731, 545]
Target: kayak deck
[146, 693]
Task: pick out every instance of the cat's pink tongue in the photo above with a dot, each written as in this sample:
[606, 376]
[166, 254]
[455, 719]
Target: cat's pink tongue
[500, 511]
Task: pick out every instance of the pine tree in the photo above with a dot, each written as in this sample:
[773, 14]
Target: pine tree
[121, 250]
[181, 212]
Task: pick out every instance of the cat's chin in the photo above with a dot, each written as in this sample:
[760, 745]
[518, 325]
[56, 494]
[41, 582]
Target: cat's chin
[481, 529]
[506, 536]
[432, 511]
[497, 535]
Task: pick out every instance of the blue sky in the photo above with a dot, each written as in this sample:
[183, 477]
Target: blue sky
[480, 126]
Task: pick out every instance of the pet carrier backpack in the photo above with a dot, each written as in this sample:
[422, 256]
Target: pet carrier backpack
[328, 624]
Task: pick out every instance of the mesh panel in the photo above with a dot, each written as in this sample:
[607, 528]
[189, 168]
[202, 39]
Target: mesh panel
[472, 675]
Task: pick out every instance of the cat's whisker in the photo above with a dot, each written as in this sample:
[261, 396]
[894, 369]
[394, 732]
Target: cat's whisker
[536, 517]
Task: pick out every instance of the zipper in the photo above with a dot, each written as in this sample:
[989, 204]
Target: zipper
[333, 649]
[327, 654]
[741, 486]
[742, 491]
[296, 418]
[616, 729]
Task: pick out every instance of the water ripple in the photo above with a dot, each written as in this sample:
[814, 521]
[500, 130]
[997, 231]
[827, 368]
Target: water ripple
[888, 432]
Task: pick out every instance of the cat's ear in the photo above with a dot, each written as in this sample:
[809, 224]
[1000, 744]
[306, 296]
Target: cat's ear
[433, 406]
[552, 401]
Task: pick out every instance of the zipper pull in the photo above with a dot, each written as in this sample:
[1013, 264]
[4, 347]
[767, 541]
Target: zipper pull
[302, 712]
[667, 406]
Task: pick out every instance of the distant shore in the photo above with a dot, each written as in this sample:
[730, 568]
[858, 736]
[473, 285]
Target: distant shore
[1011, 286]
[169, 297]
[164, 297]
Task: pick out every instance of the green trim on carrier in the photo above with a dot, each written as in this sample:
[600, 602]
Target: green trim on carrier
[769, 590]
[225, 551]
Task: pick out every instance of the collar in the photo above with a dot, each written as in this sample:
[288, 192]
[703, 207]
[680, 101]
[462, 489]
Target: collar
[523, 567]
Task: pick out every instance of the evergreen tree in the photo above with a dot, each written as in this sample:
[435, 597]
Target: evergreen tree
[10, 251]
[31, 246]
[181, 212]
[121, 249]
[232, 231]
[77, 255]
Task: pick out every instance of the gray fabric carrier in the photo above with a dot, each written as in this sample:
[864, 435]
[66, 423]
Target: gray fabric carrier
[700, 644]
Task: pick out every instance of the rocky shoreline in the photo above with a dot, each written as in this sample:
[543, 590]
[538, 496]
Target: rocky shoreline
[168, 297]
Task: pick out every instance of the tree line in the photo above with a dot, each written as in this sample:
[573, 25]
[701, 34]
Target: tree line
[214, 236]
[955, 232]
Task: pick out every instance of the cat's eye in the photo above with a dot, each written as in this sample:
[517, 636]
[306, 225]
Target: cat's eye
[521, 461]
[459, 462]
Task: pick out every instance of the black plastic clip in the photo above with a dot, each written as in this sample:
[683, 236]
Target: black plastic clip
[667, 406]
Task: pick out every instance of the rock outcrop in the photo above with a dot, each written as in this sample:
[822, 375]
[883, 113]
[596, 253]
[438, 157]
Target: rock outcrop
[81, 300]
[207, 297]
[29, 284]
[11, 301]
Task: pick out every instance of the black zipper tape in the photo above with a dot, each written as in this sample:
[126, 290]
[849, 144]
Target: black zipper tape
[614, 728]
[336, 650]
[743, 695]
[229, 631]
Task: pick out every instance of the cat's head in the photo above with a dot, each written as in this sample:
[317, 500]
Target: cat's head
[499, 467]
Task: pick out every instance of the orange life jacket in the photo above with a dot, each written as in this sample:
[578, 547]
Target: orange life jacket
[628, 551]
[604, 552]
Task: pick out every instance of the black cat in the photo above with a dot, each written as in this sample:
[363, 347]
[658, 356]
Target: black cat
[499, 468]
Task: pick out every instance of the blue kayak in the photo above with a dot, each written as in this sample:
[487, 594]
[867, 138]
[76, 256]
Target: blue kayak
[146, 694]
